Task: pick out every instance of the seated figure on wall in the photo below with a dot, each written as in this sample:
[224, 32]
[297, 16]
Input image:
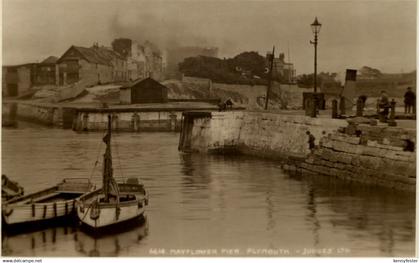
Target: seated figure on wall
[383, 107]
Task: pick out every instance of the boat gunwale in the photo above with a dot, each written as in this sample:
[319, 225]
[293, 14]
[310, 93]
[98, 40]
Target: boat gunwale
[30, 196]
[28, 200]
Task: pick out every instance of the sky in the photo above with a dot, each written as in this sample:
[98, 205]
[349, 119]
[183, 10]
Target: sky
[354, 33]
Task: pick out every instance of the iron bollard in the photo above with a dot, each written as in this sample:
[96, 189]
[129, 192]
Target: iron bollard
[392, 121]
[334, 114]
[342, 106]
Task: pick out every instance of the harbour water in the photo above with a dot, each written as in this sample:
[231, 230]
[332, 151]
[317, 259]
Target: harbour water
[206, 205]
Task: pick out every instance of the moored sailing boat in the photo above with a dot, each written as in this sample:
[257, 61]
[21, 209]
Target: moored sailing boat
[114, 202]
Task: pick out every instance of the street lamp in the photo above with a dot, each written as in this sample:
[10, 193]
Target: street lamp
[316, 27]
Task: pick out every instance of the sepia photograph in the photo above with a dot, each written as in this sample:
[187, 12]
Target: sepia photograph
[209, 129]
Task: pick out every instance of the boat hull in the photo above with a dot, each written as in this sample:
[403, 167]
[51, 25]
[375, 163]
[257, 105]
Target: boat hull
[17, 214]
[111, 214]
[51, 203]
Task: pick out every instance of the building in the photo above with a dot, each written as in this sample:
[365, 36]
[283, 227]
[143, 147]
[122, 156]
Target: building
[143, 60]
[46, 71]
[283, 70]
[144, 91]
[134, 54]
[18, 79]
[154, 61]
[177, 54]
[91, 66]
[118, 63]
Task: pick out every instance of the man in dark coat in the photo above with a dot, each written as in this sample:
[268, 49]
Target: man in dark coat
[409, 101]
[311, 140]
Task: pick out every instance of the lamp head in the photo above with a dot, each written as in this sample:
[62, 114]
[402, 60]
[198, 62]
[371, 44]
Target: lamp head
[316, 26]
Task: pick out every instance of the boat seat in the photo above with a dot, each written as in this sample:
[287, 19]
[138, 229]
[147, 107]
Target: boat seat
[41, 198]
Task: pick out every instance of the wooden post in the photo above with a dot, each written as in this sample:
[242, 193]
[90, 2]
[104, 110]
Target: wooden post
[55, 209]
[44, 214]
[334, 113]
[172, 117]
[85, 121]
[136, 122]
[270, 73]
[33, 210]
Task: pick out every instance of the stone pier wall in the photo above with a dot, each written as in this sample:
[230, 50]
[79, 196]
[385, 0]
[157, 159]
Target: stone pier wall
[364, 159]
[43, 114]
[358, 152]
[273, 135]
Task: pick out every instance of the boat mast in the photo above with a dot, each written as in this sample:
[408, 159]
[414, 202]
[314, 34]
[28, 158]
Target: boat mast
[107, 172]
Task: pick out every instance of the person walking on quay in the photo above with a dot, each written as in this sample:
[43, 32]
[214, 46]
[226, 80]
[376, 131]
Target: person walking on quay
[384, 105]
[409, 101]
[311, 141]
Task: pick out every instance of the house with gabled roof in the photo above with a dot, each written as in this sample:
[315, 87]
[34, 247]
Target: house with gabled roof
[91, 66]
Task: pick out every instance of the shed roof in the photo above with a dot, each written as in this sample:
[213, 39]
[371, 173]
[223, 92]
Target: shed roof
[140, 80]
[50, 60]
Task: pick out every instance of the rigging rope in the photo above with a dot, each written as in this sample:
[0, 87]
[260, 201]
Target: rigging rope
[97, 158]
[118, 156]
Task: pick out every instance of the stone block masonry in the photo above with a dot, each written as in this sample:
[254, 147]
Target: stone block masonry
[344, 156]
[358, 152]
[271, 135]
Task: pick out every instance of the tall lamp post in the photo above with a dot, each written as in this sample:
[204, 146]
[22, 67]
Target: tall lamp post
[316, 27]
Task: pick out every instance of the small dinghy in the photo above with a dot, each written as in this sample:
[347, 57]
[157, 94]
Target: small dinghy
[114, 203]
[9, 189]
[51, 203]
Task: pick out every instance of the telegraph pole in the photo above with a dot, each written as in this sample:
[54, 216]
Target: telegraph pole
[270, 73]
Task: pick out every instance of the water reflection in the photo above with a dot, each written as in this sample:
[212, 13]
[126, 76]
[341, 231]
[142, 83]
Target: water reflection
[363, 211]
[107, 244]
[14, 243]
[204, 201]
[112, 244]
[312, 215]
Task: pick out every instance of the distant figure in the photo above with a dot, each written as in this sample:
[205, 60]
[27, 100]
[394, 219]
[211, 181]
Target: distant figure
[222, 106]
[227, 104]
[409, 101]
[409, 145]
[311, 141]
[384, 105]
[363, 99]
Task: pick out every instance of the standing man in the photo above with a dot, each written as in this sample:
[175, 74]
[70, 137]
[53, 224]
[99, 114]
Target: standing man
[409, 101]
[311, 141]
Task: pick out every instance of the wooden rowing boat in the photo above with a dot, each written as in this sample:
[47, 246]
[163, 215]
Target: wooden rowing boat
[114, 203]
[51, 203]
